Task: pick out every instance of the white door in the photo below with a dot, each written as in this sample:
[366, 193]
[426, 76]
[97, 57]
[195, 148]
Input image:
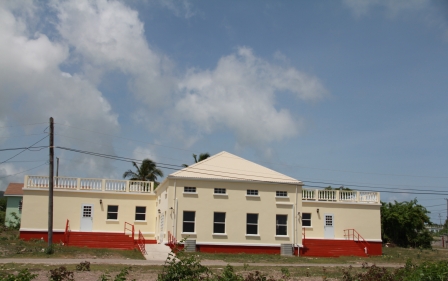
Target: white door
[162, 222]
[329, 226]
[86, 217]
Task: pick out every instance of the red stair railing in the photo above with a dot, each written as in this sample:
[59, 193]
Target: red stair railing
[130, 227]
[352, 234]
[141, 243]
[67, 232]
[171, 240]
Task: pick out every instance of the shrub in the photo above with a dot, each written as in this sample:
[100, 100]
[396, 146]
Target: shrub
[61, 274]
[23, 275]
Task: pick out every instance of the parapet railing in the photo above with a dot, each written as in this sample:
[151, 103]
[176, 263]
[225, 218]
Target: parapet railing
[88, 184]
[340, 196]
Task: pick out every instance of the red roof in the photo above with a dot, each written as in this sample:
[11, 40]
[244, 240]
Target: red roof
[14, 188]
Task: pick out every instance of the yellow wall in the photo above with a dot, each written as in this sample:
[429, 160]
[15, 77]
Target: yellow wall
[364, 218]
[67, 205]
[236, 205]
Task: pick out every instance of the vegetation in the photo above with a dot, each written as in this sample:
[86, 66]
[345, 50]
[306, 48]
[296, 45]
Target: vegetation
[403, 223]
[147, 171]
[2, 210]
[202, 157]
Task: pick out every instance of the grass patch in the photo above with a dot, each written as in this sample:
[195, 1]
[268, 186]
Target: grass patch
[390, 255]
[13, 247]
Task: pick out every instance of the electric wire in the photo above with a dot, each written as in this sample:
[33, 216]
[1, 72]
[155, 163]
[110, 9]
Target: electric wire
[22, 125]
[46, 163]
[24, 150]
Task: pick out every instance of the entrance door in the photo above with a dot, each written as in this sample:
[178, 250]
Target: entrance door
[86, 217]
[329, 226]
[162, 222]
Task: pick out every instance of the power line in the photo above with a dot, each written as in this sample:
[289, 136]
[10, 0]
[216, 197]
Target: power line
[230, 175]
[24, 150]
[46, 163]
[10, 137]
[19, 148]
[22, 125]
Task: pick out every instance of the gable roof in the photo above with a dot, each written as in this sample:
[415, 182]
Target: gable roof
[226, 166]
[14, 189]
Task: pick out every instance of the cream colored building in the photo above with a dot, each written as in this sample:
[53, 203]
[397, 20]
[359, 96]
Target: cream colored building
[222, 204]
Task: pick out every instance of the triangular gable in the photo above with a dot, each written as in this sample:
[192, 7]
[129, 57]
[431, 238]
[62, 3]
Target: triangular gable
[227, 166]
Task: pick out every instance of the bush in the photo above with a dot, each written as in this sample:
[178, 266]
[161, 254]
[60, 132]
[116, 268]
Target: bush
[23, 275]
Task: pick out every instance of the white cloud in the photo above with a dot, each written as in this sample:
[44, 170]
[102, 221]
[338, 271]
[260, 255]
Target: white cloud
[181, 8]
[108, 35]
[361, 7]
[8, 174]
[240, 95]
[33, 87]
[141, 153]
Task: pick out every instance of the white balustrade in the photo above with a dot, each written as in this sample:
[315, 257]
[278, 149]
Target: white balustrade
[90, 184]
[140, 186]
[369, 197]
[350, 196]
[326, 195]
[65, 183]
[87, 184]
[308, 194]
[115, 185]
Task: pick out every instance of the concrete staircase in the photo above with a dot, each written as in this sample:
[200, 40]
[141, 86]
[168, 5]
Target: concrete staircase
[157, 252]
[332, 248]
[100, 240]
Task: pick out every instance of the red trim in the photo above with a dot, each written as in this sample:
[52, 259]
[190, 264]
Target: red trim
[239, 249]
[337, 248]
[28, 235]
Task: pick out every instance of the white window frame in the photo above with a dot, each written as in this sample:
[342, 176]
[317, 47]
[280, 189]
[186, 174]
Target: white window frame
[252, 192]
[281, 194]
[223, 223]
[139, 213]
[277, 224]
[218, 191]
[189, 189]
[110, 212]
[247, 223]
[193, 222]
[310, 220]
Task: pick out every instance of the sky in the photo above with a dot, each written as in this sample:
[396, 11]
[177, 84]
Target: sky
[344, 92]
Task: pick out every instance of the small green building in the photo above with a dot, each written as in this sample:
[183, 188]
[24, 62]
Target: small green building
[14, 195]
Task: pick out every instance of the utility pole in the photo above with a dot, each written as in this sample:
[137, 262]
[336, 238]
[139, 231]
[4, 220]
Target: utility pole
[57, 171]
[50, 190]
[440, 219]
[446, 208]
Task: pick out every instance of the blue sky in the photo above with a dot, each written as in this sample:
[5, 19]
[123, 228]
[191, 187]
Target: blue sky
[349, 92]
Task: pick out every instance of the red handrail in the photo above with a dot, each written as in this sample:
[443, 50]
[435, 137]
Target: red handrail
[355, 234]
[141, 243]
[130, 229]
[172, 241]
[67, 232]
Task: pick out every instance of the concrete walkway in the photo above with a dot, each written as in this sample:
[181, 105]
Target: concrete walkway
[157, 252]
[160, 262]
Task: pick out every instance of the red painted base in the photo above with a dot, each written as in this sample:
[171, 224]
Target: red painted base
[58, 237]
[337, 248]
[239, 249]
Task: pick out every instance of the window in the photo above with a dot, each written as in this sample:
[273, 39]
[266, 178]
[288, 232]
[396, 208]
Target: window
[306, 219]
[20, 206]
[281, 225]
[140, 213]
[219, 222]
[252, 224]
[188, 225]
[281, 194]
[252, 192]
[188, 189]
[112, 212]
[220, 191]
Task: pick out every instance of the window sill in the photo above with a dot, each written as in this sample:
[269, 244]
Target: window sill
[252, 235]
[281, 236]
[188, 233]
[307, 227]
[190, 193]
[220, 194]
[247, 195]
[112, 221]
[139, 221]
[281, 197]
[219, 234]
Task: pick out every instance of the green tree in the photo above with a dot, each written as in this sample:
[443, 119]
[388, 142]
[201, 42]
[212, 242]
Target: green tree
[147, 171]
[2, 210]
[403, 223]
[202, 157]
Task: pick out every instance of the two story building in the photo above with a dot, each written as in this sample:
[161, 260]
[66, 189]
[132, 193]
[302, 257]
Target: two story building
[222, 204]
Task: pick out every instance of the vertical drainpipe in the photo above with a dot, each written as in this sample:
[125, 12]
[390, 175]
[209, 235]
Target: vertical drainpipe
[295, 225]
[175, 212]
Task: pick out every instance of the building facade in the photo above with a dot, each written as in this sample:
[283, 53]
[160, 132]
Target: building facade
[222, 204]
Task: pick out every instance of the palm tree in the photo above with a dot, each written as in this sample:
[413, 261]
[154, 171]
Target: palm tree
[147, 171]
[202, 156]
